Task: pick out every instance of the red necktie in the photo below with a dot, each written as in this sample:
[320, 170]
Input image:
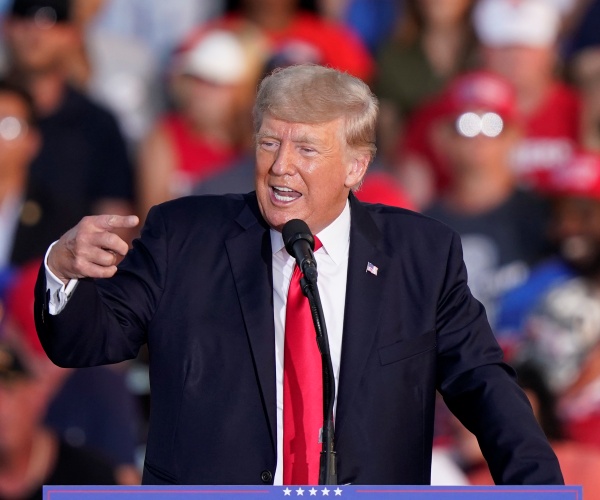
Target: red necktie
[302, 389]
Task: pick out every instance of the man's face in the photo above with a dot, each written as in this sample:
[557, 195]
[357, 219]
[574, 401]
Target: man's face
[38, 46]
[576, 231]
[525, 67]
[475, 154]
[304, 171]
[206, 104]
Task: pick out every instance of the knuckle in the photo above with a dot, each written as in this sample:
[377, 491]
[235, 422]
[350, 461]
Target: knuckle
[86, 221]
[112, 239]
[79, 262]
[78, 243]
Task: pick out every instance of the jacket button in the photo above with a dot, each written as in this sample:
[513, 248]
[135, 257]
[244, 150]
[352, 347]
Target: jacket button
[266, 476]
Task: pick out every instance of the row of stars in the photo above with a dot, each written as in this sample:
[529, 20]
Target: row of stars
[312, 492]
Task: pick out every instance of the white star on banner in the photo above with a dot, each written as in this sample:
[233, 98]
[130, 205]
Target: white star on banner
[338, 492]
[287, 492]
[325, 492]
[312, 492]
[300, 492]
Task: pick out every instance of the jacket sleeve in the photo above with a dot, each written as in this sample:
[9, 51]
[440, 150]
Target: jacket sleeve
[481, 390]
[105, 320]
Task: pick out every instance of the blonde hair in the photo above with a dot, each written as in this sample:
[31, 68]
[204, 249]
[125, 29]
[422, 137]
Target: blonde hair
[309, 93]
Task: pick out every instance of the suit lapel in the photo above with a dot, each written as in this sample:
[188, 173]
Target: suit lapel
[254, 287]
[364, 291]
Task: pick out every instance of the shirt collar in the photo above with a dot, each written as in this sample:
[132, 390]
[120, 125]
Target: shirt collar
[335, 237]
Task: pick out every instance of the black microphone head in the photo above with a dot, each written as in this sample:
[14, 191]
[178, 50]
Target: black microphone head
[295, 230]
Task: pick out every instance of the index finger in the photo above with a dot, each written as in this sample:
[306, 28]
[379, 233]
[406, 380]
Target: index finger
[111, 222]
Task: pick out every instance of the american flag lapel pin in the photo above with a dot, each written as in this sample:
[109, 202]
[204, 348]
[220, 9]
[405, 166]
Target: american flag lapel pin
[371, 268]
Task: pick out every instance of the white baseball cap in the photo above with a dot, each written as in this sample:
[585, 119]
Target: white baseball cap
[533, 23]
[217, 57]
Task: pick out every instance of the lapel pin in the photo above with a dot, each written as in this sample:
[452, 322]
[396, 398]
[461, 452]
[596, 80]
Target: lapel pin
[371, 268]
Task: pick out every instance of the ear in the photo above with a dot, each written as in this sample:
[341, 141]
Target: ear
[357, 168]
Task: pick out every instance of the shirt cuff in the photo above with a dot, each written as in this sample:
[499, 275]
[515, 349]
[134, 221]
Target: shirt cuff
[57, 291]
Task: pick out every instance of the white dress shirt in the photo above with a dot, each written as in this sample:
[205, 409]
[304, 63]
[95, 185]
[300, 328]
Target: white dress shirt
[332, 266]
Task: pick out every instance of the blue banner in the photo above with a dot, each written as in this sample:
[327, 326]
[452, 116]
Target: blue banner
[318, 492]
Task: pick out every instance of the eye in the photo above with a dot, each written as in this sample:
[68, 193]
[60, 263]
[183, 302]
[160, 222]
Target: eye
[305, 150]
[268, 145]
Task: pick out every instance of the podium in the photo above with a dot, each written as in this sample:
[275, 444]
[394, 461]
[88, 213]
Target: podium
[349, 492]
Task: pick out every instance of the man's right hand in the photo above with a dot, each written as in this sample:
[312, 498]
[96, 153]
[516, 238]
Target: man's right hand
[91, 249]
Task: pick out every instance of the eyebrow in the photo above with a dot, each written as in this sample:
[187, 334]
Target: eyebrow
[302, 138]
[265, 133]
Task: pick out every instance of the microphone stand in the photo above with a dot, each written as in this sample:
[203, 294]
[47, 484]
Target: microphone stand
[327, 464]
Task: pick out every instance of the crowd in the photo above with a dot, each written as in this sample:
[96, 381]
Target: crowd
[489, 122]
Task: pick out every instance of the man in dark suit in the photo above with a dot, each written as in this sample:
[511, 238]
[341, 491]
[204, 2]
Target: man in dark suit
[205, 287]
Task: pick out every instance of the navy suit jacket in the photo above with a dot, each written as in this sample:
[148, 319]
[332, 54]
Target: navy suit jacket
[197, 288]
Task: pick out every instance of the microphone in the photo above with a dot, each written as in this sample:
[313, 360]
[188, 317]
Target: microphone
[299, 243]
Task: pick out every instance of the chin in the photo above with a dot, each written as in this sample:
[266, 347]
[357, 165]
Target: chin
[276, 221]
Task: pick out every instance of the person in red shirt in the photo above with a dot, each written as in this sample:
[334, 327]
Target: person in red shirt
[292, 27]
[518, 42]
[212, 84]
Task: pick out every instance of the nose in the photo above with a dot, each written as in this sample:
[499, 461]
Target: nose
[283, 163]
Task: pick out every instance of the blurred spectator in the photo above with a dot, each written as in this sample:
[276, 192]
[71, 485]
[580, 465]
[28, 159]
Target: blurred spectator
[19, 144]
[116, 70]
[574, 230]
[519, 43]
[295, 27]
[584, 70]
[433, 41]
[31, 455]
[88, 408]
[554, 318]
[579, 463]
[477, 131]
[158, 24]
[83, 166]
[372, 21]
[213, 84]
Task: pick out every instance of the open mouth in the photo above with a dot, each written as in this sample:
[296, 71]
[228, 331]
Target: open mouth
[284, 194]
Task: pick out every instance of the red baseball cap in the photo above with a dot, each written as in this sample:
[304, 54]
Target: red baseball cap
[580, 177]
[480, 91]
